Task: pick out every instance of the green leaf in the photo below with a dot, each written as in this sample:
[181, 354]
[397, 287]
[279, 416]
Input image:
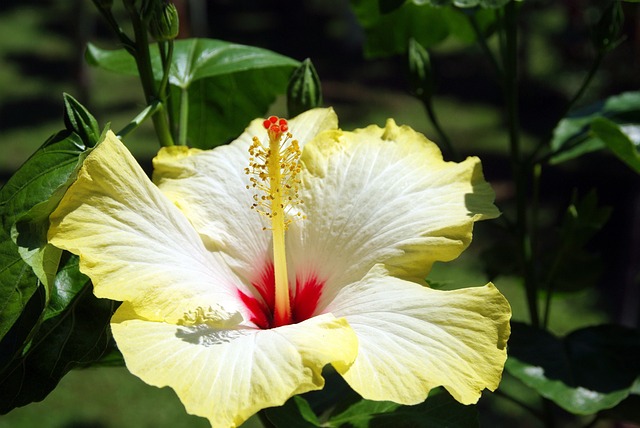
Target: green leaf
[78, 119]
[68, 283]
[361, 413]
[40, 176]
[573, 137]
[193, 59]
[18, 284]
[28, 192]
[618, 141]
[31, 194]
[227, 84]
[440, 410]
[220, 108]
[389, 33]
[573, 267]
[296, 412]
[75, 338]
[628, 410]
[589, 370]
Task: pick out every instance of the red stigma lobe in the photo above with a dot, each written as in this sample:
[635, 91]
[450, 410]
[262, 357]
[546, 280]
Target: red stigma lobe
[276, 125]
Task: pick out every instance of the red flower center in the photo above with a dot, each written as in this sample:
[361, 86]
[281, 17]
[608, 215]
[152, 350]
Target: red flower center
[304, 298]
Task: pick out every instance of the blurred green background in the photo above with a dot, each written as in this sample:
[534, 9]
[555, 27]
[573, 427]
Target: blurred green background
[41, 52]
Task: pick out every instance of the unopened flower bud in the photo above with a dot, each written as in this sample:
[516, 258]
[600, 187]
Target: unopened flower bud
[164, 23]
[304, 91]
[606, 33]
[420, 72]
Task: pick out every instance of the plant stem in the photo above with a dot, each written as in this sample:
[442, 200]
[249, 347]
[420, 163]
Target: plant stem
[145, 70]
[482, 41]
[446, 142]
[166, 53]
[521, 170]
[144, 115]
[585, 83]
[184, 116]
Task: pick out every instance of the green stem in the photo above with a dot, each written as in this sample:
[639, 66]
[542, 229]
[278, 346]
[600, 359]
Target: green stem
[587, 80]
[144, 115]
[145, 70]
[585, 84]
[482, 41]
[184, 116]
[446, 142]
[520, 168]
[111, 20]
[166, 53]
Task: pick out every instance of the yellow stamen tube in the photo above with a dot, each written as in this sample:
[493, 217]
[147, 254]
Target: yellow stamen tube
[274, 171]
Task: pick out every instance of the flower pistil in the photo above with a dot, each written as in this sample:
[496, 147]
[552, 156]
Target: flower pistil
[274, 170]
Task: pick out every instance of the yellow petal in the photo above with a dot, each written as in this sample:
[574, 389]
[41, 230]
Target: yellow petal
[384, 195]
[412, 339]
[228, 375]
[134, 244]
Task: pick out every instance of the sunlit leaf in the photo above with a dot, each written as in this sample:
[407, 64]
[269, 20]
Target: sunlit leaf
[30, 195]
[226, 84]
[362, 413]
[31, 190]
[572, 137]
[68, 283]
[617, 141]
[79, 121]
[589, 370]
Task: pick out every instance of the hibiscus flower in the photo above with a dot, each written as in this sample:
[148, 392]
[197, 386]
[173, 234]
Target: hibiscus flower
[245, 269]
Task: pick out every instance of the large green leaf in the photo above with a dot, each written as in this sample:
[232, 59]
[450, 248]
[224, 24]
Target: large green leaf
[18, 283]
[77, 337]
[589, 370]
[25, 203]
[221, 107]
[32, 193]
[226, 85]
[573, 135]
[389, 33]
[193, 59]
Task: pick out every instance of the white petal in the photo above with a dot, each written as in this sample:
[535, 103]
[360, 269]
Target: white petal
[384, 195]
[412, 338]
[134, 244]
[210, 187]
